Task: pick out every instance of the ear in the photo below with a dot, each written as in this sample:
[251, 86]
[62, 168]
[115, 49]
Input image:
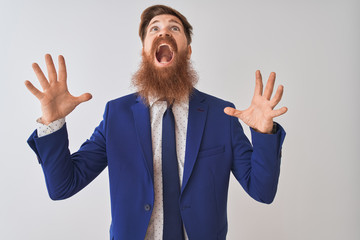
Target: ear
[189, 51]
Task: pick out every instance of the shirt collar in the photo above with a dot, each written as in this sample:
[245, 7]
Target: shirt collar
[153, 100]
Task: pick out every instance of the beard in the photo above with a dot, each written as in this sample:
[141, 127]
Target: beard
[169, 83]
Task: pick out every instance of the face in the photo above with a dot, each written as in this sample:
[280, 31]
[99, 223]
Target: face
[164, 53]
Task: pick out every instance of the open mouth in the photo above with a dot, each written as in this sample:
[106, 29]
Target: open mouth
[164, 53]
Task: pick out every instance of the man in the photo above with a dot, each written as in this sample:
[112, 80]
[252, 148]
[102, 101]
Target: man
[169, 148]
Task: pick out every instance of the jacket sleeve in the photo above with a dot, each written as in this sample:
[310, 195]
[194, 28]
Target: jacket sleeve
[65, 173]
[257, 167]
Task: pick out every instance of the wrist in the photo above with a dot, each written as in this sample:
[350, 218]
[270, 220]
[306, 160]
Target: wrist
[269, 131]
[43, 130]
[43, 121]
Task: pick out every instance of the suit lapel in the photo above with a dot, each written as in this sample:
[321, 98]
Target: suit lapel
[196, 123]
[143, 131]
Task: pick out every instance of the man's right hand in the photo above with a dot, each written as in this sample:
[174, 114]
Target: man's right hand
[56, 101]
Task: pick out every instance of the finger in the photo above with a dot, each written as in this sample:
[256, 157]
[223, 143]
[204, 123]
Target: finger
[84, 97]
[232, 112]
[278, 112]
[33, 90]
[50, 68]
[269, 86]
[62, 69]
[40, 76]
[258, 83]
[278, 95]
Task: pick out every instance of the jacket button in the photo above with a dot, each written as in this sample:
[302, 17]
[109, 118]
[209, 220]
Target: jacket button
[147, 207]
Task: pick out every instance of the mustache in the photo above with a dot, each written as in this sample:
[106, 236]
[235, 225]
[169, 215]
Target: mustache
[164, 39]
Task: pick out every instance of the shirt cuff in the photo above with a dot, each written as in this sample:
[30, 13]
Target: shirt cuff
[43, 130]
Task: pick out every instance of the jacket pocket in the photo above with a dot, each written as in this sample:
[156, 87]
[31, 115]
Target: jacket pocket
[209, 152]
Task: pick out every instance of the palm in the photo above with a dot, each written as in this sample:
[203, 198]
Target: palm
[56, 101]
[261, 112]
[51, 102]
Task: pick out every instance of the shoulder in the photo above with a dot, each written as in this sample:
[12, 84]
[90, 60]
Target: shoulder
[212, 100]
[121, 105]
[124, 100]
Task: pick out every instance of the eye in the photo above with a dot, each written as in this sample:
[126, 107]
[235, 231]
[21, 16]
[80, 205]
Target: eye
[154, 29]
[175, 28]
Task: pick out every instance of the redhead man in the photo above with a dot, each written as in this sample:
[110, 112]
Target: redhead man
[169, 148]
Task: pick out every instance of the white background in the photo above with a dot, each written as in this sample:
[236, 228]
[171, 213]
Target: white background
[313, 46]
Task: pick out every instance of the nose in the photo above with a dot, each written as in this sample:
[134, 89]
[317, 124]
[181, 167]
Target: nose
[164, 33]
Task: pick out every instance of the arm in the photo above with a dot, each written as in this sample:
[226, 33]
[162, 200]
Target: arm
[257, 167]
[65, 174]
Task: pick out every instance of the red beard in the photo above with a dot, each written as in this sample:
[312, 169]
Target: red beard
[169, 83]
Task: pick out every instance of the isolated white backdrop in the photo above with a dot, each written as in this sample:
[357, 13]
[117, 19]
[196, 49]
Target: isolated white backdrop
[313, 46]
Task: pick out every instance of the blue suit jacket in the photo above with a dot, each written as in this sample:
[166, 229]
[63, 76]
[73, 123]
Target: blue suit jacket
[215, 146]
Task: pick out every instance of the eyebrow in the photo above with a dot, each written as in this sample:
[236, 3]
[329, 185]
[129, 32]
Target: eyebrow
[171, 20]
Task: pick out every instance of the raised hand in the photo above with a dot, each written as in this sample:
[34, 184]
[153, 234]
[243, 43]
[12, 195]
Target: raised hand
[56, 101]
[261, 112]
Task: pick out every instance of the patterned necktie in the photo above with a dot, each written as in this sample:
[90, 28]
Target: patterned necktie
[173, 227]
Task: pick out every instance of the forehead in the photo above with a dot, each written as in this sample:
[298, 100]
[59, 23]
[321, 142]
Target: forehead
[165, 18]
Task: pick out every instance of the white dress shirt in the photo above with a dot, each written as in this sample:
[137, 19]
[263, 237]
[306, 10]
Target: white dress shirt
[157, 109]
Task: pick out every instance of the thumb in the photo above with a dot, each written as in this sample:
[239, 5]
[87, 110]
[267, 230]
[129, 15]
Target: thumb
[278, 112]
[84, 97]
[232, 112]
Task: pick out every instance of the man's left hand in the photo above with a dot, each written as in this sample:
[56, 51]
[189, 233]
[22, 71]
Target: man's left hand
[260, 114]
